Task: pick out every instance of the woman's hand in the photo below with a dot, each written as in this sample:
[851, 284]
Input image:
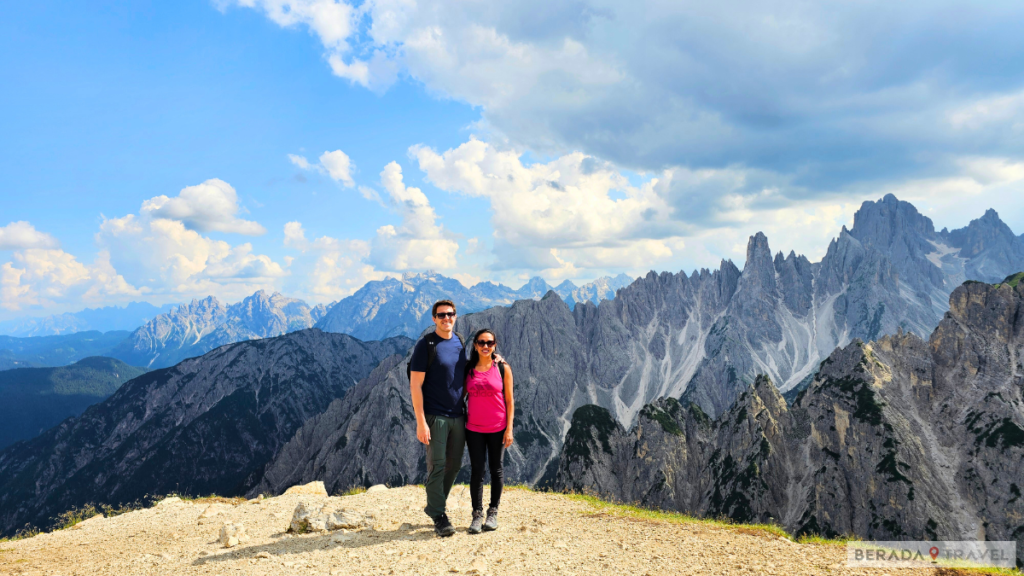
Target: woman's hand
[508, 437]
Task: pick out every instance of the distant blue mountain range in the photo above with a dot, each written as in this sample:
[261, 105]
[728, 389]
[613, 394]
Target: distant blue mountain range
[129, 317]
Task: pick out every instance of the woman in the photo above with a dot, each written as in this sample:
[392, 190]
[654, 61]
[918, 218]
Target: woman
[490, 408]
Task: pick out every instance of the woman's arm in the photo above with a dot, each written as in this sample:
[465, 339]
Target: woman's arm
[510, 405]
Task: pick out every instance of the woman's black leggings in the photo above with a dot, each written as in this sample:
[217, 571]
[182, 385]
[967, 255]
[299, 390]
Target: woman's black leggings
[490, 447]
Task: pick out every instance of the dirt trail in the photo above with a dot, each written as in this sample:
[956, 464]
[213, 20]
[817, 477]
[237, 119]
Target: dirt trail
[538, 534]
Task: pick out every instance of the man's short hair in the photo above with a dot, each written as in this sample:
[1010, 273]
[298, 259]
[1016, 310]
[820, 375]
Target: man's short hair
[439, 303]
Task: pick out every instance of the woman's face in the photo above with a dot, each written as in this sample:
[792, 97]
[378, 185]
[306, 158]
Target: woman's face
[485, 344]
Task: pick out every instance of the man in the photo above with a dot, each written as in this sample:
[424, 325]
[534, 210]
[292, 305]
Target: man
[436, 377]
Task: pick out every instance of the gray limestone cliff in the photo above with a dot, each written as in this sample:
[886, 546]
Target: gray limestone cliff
[700, 338]
[897, 439]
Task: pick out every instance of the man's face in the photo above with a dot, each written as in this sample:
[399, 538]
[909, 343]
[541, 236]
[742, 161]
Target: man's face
[444, 318]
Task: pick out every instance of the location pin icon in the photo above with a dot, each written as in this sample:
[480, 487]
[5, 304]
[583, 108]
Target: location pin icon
[934, 551]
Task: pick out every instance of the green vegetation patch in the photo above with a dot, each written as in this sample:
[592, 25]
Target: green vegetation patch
[653, 515]
[867, 407]
[1006, 433]
[1013, 279]
[585, 419]
[666, 417]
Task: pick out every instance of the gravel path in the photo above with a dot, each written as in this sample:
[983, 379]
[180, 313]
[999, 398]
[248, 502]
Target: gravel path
[538, 534]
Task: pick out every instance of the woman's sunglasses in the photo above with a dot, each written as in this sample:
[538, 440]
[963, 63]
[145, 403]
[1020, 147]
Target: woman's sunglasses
[485, 343]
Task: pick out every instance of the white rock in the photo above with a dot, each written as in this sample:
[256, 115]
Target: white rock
[307, 518]
[377, 488]
[338, 538]
[347, 519]
[171, 501]
[312, 489]
[231, 534]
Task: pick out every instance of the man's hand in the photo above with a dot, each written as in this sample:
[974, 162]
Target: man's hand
[423, 431]
[508, 437]
[499, 358]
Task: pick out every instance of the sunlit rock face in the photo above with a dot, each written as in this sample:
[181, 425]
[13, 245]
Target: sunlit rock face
[900, 438]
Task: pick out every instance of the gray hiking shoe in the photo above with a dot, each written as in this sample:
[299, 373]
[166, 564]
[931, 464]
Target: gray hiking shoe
[492, 519]
[478, 520]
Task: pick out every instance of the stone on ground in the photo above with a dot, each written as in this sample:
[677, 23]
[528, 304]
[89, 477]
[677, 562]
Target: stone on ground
[312, 489]
[231, 534]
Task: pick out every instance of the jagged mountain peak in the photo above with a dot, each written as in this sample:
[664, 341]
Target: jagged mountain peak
[759, 269]
[890, 220]
[416, 277]
[987, 247]
[202, 302]
[534, 287]
[197, 327]
[758, 251]
[565, 286]
[551, 294]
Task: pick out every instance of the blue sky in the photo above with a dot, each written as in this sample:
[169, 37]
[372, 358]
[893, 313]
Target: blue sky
[161, 151]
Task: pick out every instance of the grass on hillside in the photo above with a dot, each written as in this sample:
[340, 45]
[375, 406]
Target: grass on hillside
[629, 511]
[1013, 279]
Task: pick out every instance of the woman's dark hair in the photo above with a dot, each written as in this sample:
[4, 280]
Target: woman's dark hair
[474, 356]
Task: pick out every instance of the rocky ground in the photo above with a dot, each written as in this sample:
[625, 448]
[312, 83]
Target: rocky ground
[538, 534]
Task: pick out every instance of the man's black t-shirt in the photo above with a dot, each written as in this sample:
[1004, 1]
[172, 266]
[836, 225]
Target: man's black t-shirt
[445, 379]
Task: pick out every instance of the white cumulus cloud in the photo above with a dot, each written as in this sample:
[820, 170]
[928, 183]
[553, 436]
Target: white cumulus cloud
[338, 167]
[339, 267]
[39, 277]
[572, 212]
[163, 250]
[208, 207]
[21, 235]
[418, 242]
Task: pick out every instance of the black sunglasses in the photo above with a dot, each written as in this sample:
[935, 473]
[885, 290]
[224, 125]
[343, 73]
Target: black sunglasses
[444, 315]
[485, 343]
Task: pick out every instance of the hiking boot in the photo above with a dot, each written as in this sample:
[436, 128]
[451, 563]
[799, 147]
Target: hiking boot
[492, 519]
[443, 527]
[478, 520]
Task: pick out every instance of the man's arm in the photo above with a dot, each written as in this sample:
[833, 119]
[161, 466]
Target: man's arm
[416, 388]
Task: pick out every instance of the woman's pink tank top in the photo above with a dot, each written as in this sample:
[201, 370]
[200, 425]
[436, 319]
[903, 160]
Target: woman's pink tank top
[486, 401]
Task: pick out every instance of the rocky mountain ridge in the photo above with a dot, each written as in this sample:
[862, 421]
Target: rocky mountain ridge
[392, 306]
[207, 425]
[195, 328]
[896, 439]
[379, 310]
[702, 338]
